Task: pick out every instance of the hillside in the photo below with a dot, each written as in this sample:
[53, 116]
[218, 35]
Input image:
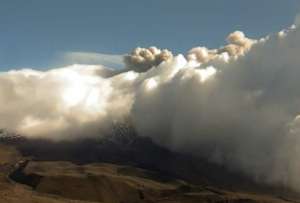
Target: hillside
[120, 168]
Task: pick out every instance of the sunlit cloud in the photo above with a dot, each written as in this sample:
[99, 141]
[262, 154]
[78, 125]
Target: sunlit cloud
[236, 105]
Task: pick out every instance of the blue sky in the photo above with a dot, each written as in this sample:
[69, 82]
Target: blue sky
[38, 33]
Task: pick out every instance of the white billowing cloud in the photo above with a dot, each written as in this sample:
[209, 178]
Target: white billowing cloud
[238, 105]
[60, 103]
[241, 115]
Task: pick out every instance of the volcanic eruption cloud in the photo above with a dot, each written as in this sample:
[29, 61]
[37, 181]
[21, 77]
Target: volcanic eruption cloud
[238, 105]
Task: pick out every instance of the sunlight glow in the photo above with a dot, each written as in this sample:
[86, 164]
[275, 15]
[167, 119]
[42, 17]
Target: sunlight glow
[84, 91]
[131, 75]
[206, 73]
[151, 84]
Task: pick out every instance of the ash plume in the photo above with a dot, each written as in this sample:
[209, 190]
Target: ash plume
[237, 105]
[142, 59]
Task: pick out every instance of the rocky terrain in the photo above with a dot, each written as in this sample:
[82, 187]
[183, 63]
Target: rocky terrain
[122, 168]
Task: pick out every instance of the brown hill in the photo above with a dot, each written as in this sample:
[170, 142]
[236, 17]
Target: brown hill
[122, 168]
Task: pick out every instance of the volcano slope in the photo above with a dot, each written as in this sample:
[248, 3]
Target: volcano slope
[122, 168]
